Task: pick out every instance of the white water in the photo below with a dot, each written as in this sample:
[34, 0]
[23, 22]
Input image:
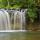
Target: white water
[4, 20]
[19, 20]
[13, 31]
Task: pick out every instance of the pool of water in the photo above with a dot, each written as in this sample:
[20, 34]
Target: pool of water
[19, 35]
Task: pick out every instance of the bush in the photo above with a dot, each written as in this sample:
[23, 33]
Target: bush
[32, 14]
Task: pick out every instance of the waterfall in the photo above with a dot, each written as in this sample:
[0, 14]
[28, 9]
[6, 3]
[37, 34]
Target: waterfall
[19, 20]
[4, 20]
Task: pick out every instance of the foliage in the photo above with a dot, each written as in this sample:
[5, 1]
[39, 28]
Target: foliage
[32, 14]
[12, 3]
[17, 3]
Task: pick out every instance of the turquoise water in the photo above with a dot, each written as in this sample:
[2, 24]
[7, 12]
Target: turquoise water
[20, 36]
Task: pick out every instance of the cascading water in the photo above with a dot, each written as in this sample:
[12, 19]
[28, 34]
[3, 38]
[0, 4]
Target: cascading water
[19, 20]
[4, 20]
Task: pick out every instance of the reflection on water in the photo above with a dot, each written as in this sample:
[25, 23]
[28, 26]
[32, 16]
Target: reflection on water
[20, 36]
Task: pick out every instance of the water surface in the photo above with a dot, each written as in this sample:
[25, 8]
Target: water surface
[20, 36]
